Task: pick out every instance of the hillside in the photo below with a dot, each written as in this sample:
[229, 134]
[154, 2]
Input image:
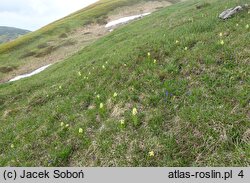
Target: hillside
[63, 38]
[10, 33]
[171, 89]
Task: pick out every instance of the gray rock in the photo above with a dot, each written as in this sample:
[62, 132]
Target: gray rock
[230, 12]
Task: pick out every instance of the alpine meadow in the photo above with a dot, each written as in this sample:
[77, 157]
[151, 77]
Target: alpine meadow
[169, 89]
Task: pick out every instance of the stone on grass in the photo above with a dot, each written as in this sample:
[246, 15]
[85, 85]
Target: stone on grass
[232, 11]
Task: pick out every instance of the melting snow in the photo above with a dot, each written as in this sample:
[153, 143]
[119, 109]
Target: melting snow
[125, 20]
[30, 74]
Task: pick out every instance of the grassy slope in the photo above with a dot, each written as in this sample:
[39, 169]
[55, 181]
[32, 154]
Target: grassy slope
[203, 121]
[13, 54]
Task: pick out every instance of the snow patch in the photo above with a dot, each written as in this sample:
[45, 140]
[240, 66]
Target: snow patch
[125, 20]
[30, 74]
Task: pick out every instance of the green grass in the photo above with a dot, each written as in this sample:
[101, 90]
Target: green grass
[193, 105]
[14, 54]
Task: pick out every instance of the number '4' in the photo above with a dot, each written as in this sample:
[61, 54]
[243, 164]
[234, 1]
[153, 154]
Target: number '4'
[241, 174]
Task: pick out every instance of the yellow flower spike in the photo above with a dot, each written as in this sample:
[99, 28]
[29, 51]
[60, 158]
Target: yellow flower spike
[186, 48]
[89, 73]
[62, 124]
[106, 62]
[79, 74]
[122, 122]
[221, 34]
[60, 87]
[101, 105]
[103, 67]
[155, 61]
[67, 125]
[237, 25]
[12, 146]
[98, 96]
[134, 111]
[125, 65]
[222, 42]
[149, 54]
[247, 26]
[80, 130]
[151, 154]
[177, 41]
[115, 94]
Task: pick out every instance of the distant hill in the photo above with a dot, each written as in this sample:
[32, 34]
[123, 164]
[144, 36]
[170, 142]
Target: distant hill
[10, 33]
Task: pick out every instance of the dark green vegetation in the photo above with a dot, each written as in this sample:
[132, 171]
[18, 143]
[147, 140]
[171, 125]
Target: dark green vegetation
[10, 33]
[184, 71]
